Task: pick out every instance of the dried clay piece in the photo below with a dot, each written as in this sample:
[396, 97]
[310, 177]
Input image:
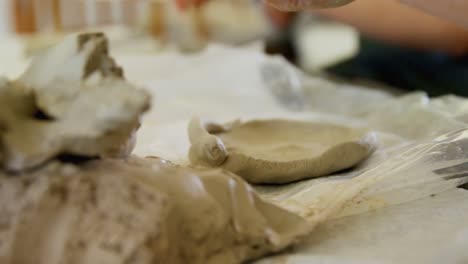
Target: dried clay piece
[138, 211]
[278, 151]
[71, 100]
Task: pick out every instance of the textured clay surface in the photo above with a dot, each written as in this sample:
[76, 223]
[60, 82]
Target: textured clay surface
[137, 211]
[278, 151]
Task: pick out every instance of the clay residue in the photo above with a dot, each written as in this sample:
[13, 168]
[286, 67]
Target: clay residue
[279, 151]
[71, 100]
[138, 211]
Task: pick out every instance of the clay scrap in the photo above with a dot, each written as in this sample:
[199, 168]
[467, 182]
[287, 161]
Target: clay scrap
[278, 151]
[138, 211]
[110, 207]
[72, 100]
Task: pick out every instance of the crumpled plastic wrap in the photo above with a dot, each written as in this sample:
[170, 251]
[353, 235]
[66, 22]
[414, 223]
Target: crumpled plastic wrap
[431, 230]
[223, 84]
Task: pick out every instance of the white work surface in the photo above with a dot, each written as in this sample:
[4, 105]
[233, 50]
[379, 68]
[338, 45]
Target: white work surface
[225, 83]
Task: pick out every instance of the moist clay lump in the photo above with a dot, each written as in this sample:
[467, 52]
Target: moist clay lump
[278, 151]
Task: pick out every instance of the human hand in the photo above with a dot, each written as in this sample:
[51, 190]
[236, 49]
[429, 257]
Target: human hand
[286, 5]
[275, 9]
[278, 17]
[184, 4]
[297, 5]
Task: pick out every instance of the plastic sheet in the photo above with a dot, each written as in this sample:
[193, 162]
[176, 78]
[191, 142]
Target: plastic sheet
[431, 230]
[408, 172]
[415, 172]
[199, 86]
[422, 152]
[406, 167]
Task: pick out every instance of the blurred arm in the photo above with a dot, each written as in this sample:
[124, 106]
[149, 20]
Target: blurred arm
[183, 4]
[397, 23]
[453, 10]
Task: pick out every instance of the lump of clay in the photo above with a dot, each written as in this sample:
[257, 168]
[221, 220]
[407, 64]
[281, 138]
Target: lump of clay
[73, 100]
[76, 58]
[138, 211]
[278, 151]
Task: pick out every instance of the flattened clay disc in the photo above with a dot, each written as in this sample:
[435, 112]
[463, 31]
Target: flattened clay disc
[282, 151]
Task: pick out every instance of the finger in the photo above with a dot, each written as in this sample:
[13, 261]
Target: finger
[279, 18]
[184, 4]
[198, 2]
[297, 5]
[181, 4]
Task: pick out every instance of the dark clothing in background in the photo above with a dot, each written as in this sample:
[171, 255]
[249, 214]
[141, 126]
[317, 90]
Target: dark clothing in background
[433, 72]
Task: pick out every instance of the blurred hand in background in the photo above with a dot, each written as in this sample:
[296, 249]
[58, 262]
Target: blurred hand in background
[184, 4]
[389, 21]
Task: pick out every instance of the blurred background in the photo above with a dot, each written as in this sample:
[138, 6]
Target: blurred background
[396, 46]
[155, 25]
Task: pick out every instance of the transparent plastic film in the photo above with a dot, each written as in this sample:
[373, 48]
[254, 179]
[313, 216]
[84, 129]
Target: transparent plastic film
[412, 173]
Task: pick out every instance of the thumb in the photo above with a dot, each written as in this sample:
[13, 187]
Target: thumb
[182, 4]
[297, 5]
[279, 18]
[185, 4]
